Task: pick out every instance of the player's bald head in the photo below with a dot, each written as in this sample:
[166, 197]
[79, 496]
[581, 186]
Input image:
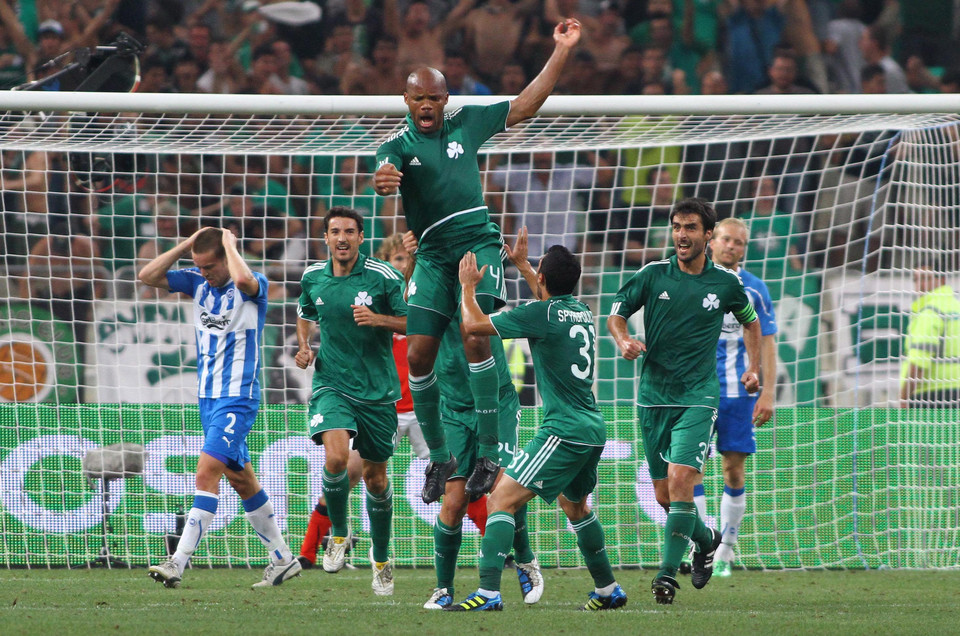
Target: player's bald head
[426, 96]
[426, 80]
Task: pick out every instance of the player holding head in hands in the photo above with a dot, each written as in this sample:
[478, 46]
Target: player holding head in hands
[230, 308]
[357, 301]
[560, 462]
[432, 161]
[739, 411]
[684, 299]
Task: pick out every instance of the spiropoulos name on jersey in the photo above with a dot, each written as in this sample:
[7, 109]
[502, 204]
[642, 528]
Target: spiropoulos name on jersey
[565, 315]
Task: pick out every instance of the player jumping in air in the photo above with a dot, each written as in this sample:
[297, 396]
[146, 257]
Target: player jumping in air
[432, 161]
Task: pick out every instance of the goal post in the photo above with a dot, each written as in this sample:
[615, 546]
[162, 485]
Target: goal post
[845, 197]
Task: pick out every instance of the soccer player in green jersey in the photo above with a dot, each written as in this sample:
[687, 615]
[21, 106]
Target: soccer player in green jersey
[560, 462]
[684, 300]
[432, 161]
[459, 419]
[358, 303]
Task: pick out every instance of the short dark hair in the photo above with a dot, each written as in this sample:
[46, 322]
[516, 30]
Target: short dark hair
[871, 71]
[698, 206]
[152, 62]
[262, 51]
[950, 77]
[210, 239]
[878, 35]
[342, 211]
[560, 269]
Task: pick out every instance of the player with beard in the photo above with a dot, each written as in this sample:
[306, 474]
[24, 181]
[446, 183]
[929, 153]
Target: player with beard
[684, 299]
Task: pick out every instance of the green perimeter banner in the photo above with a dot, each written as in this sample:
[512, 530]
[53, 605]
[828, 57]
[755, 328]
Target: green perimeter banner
[829, 488]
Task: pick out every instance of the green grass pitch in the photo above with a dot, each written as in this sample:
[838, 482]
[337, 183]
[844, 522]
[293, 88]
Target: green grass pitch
[67, 602]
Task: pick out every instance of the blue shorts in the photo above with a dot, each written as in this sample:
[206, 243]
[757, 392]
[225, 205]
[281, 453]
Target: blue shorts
[735, 425]
[226, 423]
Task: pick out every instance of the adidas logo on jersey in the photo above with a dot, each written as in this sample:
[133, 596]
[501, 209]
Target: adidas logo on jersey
[538, 484]
[415, 161]
[664, 295]
[318, 302]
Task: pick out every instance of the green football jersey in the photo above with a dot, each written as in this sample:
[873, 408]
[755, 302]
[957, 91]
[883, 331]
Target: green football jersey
[441, 190]
[453, 374]
[682, 320]
[563, 342]
[353, 360]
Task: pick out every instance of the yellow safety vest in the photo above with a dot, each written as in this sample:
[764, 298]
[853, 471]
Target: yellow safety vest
[933, 341]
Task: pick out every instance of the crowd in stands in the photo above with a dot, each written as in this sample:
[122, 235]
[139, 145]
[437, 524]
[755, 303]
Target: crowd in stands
[616, 202]
[363, 47]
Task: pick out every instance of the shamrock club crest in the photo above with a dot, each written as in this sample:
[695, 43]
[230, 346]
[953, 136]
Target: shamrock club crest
[454, 149]
[363, 298]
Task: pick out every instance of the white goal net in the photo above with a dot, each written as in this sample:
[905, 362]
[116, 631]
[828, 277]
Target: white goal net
[842, 209]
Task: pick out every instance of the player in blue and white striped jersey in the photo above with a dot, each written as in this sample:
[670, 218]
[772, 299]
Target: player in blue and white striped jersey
[230, 306]
[739, 411]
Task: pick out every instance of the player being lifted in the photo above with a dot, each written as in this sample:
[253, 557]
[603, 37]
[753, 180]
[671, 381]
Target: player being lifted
[357, 301]
[560, 462]
[684, 300]
[432, 161]
[230, 309]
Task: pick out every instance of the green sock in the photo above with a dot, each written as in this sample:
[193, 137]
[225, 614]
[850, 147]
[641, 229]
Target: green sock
[336, 490]
[446, 542]
[485, 386]
[426, 404]
[702, 535]
[494, 548]
[380, 511]
[681, 520]
[521, 538]
[591, 544]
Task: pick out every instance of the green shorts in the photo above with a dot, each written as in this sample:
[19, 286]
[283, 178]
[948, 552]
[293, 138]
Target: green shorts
[460, 429]
[433, 294]
[550, 466]
[509, 425]
[373, 427]
[675, 435]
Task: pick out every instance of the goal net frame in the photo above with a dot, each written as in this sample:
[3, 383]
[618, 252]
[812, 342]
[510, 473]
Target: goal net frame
[843, 477]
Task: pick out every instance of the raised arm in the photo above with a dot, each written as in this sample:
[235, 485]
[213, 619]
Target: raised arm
[528, 102]
[154, 273]
[454, 20]
[17, 35]
[518, 255]
[473, 320]
[240, 272]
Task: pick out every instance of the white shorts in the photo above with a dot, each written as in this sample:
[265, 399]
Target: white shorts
[408, 425]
